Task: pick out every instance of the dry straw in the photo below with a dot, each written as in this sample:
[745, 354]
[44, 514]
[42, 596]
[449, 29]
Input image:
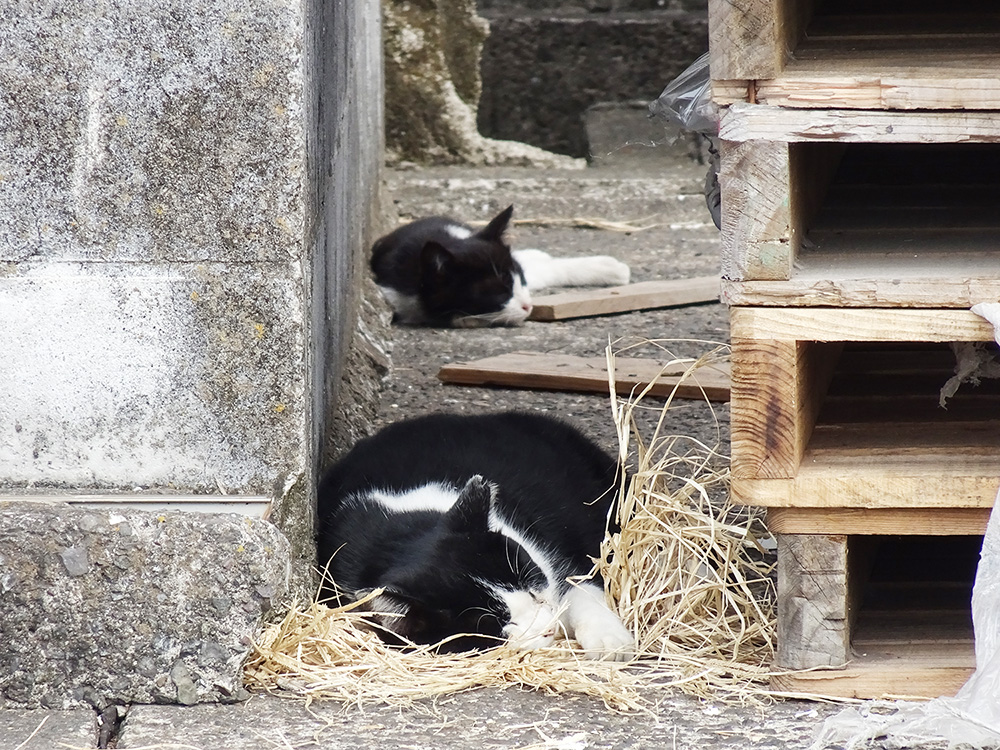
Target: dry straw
[685, 568]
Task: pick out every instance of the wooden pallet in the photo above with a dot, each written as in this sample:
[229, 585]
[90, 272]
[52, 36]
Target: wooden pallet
[860, 224]
[880, 54]
[644, 295]
[562, 372]
[874, 632]
[818, 422]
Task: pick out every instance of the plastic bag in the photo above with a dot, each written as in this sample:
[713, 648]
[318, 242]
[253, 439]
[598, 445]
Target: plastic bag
[687, 100]
[972, 717]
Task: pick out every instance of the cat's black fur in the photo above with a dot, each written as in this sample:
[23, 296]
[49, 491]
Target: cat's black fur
[437, 276]
[549, 482]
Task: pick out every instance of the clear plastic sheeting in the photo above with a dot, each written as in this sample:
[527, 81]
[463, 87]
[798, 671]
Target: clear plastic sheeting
[687, 104]
[687, 100]
[972, 717]
[974, 360]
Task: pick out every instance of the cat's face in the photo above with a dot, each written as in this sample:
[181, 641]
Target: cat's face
[473, 280]
[482, 587]
[472, 581]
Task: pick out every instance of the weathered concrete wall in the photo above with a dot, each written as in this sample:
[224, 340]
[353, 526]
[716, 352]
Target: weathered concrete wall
[187, 194]
[351, 360]
[154, 246]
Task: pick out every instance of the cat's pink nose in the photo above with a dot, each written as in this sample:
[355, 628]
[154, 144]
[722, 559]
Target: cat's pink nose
[526, 306]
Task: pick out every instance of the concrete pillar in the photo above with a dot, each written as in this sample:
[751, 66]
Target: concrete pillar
[186, 195]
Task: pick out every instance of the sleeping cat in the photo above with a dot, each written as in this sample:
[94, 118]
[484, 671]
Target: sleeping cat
[474, 526]
[437, 271]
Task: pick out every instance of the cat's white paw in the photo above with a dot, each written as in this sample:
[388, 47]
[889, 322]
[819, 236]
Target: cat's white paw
[533, 620]
[606, 638]
[597, 629]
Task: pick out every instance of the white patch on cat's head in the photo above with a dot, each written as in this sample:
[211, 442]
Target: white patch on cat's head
[534, 619]
[433, 496]
[458, 231]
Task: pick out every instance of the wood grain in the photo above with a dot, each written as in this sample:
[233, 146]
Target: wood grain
[812, 601]
[930, 673]
[757, 240]
[743, 39]
[645, 295]
[561, 372]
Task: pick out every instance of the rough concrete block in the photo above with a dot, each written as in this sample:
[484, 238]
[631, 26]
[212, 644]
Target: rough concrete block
[187, 192]
[177, 377]
[101, 606]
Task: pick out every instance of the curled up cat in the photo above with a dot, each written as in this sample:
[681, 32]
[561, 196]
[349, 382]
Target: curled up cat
[478, 529]
[438, 271]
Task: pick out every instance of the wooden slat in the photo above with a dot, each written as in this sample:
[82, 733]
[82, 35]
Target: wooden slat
[748, 122]
[943, 482]
[820, 324]
[765, 390]
[758, 220]
[743, 39]
[646, 295]
[936, 672]
[847, 281]
[884, 92]
[916, 521]
[563, 372]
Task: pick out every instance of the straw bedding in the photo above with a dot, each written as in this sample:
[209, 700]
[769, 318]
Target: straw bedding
[686, 570]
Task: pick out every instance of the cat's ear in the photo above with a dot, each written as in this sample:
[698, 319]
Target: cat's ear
[497, 226]
[435, 258]
[471, 511]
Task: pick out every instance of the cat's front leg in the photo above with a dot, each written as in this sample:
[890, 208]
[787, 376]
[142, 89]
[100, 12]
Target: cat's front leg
[541, 270]
[591, 622]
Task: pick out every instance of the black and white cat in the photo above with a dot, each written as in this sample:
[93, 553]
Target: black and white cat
[474, 526]
[437, 271]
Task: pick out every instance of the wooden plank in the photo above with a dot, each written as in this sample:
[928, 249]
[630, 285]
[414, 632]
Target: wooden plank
[943, 482]
[562, 372]
[812, 601]
[752, 38]
[750, 122]
[877, 521]
[857, 280]
[914, 676]
[645, 295]
[886, 91]
[725, 93]
[853, 324]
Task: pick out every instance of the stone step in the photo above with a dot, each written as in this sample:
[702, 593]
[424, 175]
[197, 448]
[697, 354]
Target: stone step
[542, 69]
[104, 606]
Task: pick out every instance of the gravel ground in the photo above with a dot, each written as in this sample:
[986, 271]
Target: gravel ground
[683, 243]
